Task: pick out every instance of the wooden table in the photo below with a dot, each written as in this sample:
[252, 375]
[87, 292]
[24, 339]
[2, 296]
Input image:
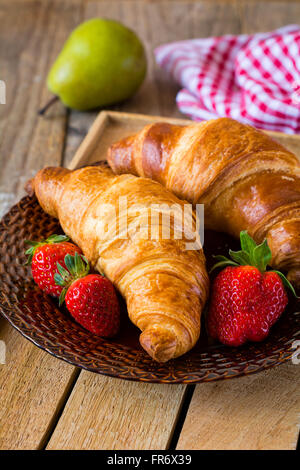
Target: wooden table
[46, 403]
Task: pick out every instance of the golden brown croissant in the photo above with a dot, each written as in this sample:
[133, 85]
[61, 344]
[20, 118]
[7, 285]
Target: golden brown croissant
[165, 285]
[246, 180]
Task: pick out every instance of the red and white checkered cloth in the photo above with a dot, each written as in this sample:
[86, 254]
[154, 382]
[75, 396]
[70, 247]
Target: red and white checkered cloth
[252, 78]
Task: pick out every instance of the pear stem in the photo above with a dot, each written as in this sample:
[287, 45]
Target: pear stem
[43, 110]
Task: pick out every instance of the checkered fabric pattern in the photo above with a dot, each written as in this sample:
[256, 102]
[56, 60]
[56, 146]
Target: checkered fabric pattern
[252, 78]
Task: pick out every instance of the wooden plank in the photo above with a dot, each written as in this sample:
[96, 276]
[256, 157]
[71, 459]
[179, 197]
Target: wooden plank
[111, 126]
[155, 23]
[280, 13]
[257, 412]
[28, 142]
[106, 413]
[202, 20]
[143, 415]
[33, 384]
[261, 411]
[33, 387]
[237, 403]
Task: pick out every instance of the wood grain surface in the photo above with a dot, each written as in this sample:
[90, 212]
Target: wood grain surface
[256, 412]
[33, 388]
[107, 413]
[32, 383]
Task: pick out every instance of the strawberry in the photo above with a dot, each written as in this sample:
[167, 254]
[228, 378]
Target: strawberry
[246, 299]
[90, 298]
[44, 256]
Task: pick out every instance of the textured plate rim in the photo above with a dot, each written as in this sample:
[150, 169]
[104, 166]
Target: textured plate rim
[178, 381]
[277, 359]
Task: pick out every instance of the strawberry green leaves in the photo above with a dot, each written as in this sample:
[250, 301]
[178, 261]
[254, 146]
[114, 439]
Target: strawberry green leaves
[77, 267]
[261, 256]
[247, 243]
[251, 254]
[287, 283]
[222, 262]
[62, 278]
[240, 257]
[56, 239]
[33, 245]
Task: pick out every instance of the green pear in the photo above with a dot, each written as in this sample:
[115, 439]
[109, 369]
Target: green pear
[101, 63]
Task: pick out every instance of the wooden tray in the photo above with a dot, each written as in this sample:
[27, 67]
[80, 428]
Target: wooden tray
[39, 319]
[112, 126]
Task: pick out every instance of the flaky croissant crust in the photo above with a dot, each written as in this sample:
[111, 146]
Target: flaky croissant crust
[246, 180]
[165, 286]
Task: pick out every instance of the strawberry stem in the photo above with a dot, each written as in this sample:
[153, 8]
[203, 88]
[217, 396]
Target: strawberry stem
[251, 254]
[33, 245]
[287, 283]
[77, 267]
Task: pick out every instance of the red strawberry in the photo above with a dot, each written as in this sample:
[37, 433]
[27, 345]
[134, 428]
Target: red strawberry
[246, 299]
[44, 256]
[91, 299]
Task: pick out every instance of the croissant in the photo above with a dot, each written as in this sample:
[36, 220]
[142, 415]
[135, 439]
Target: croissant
[164, 284]
[246, 180]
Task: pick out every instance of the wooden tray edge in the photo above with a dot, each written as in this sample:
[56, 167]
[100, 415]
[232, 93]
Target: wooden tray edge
[104, 117]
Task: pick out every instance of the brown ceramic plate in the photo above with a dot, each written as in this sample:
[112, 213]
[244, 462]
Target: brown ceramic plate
[37, 317]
